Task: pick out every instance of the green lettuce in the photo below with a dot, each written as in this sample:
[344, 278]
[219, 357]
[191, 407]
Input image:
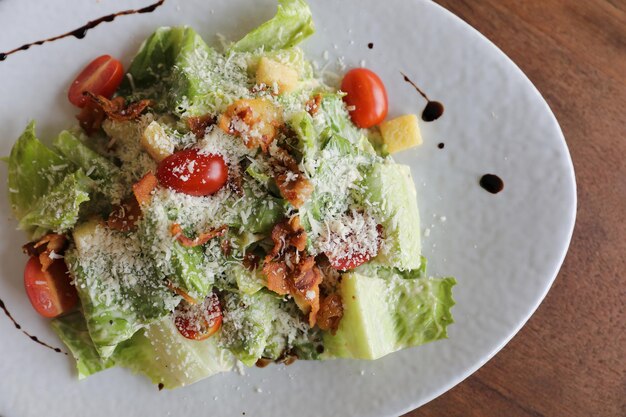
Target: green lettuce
[72, 330]
[34, 169]
[58, 210]
[95, 165]
[119, 289]
[382, 316]
[179, 71]
[292, 24]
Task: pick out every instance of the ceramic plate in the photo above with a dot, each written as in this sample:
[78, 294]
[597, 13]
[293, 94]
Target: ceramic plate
[505, 249]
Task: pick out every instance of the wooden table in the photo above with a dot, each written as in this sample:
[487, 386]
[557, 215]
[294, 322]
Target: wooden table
[570, 359]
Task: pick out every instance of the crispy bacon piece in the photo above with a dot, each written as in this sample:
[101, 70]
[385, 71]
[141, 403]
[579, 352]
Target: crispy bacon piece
[117, 109]
[125, 216]
[235, 180]
[98, 108]
[292, 184]
[199, 124]
[144, 187]
[313, 105]
[330, 313]
[290, 270]
[251, 261]
[181, 292]
[202, 238]
[47, 248]
[91, 117]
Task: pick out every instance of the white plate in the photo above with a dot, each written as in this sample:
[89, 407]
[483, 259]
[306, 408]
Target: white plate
[505, 249]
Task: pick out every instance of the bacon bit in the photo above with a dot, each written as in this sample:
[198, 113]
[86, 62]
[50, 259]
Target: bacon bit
[125, 216]
[91, 118]
[263, 362]
[117, 109]
[330, 314]
[45, 248]
[276, 274]
[313, 105]
[292, 183]
[181, 292]
[226, 247]
[203, 238]
[144, 187]
[235, 181]
[199, 124]
[290, 270]
[251, 261]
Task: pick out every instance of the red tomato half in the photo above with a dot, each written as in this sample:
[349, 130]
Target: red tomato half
[50, 292]
[101, 77]
[199, 321]
[367, 96]
[358, 254]
[192, 172]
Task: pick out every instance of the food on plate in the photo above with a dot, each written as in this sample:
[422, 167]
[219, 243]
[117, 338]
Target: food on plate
[217, 207]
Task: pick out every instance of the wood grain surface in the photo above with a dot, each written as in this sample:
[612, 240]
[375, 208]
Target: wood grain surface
[570, 359]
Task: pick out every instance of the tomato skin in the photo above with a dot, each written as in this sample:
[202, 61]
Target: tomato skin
[101, 77]
[199, 321]
[346, 263]
[367, 94]
[50, 292]
[192, 172]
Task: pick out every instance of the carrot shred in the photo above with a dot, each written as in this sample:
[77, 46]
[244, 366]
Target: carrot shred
[144, 187]
[202, 238]
[181, 292]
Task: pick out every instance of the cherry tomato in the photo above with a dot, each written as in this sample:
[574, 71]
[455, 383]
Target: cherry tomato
[192, 172]
[50, 292]
[355, 253]
[199, 321]
[101, 77]
[367, 96]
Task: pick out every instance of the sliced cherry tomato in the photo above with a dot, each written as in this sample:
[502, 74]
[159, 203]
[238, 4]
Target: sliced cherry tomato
[101, 77]
[366, 97]
[193, 172]
[50, 292]
[352, 253]
[199, 321]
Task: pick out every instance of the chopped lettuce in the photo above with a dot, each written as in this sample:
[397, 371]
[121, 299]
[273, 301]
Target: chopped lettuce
[72, 330]
[93, 164]
[118, 287]
[292, 24]
[382, 316]
[58, 209]
[166, 357]
[260, 325]
[180, 72]
[34, 169]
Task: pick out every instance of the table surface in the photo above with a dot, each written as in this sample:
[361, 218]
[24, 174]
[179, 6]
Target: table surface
[570, 358]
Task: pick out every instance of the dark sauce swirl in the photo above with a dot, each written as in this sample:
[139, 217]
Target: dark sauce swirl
[30, 336]
[433, 110]
[81, 32]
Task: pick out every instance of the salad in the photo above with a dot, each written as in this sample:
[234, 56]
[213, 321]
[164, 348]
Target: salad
[224, 207]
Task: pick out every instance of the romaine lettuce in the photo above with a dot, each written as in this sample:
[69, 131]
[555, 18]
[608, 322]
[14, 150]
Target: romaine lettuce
[292, 24]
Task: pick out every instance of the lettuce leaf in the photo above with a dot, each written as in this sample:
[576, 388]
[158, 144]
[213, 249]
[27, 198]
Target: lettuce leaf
[93, 164]
[117, 285]
[72, 330]
[382, 316]
[58, 210]
[34, 169]
[292, 24]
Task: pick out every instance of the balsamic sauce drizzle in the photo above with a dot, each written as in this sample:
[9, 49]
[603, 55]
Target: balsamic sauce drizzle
[81, 32]
[433, 110]
[30, 336]
[492, 183]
